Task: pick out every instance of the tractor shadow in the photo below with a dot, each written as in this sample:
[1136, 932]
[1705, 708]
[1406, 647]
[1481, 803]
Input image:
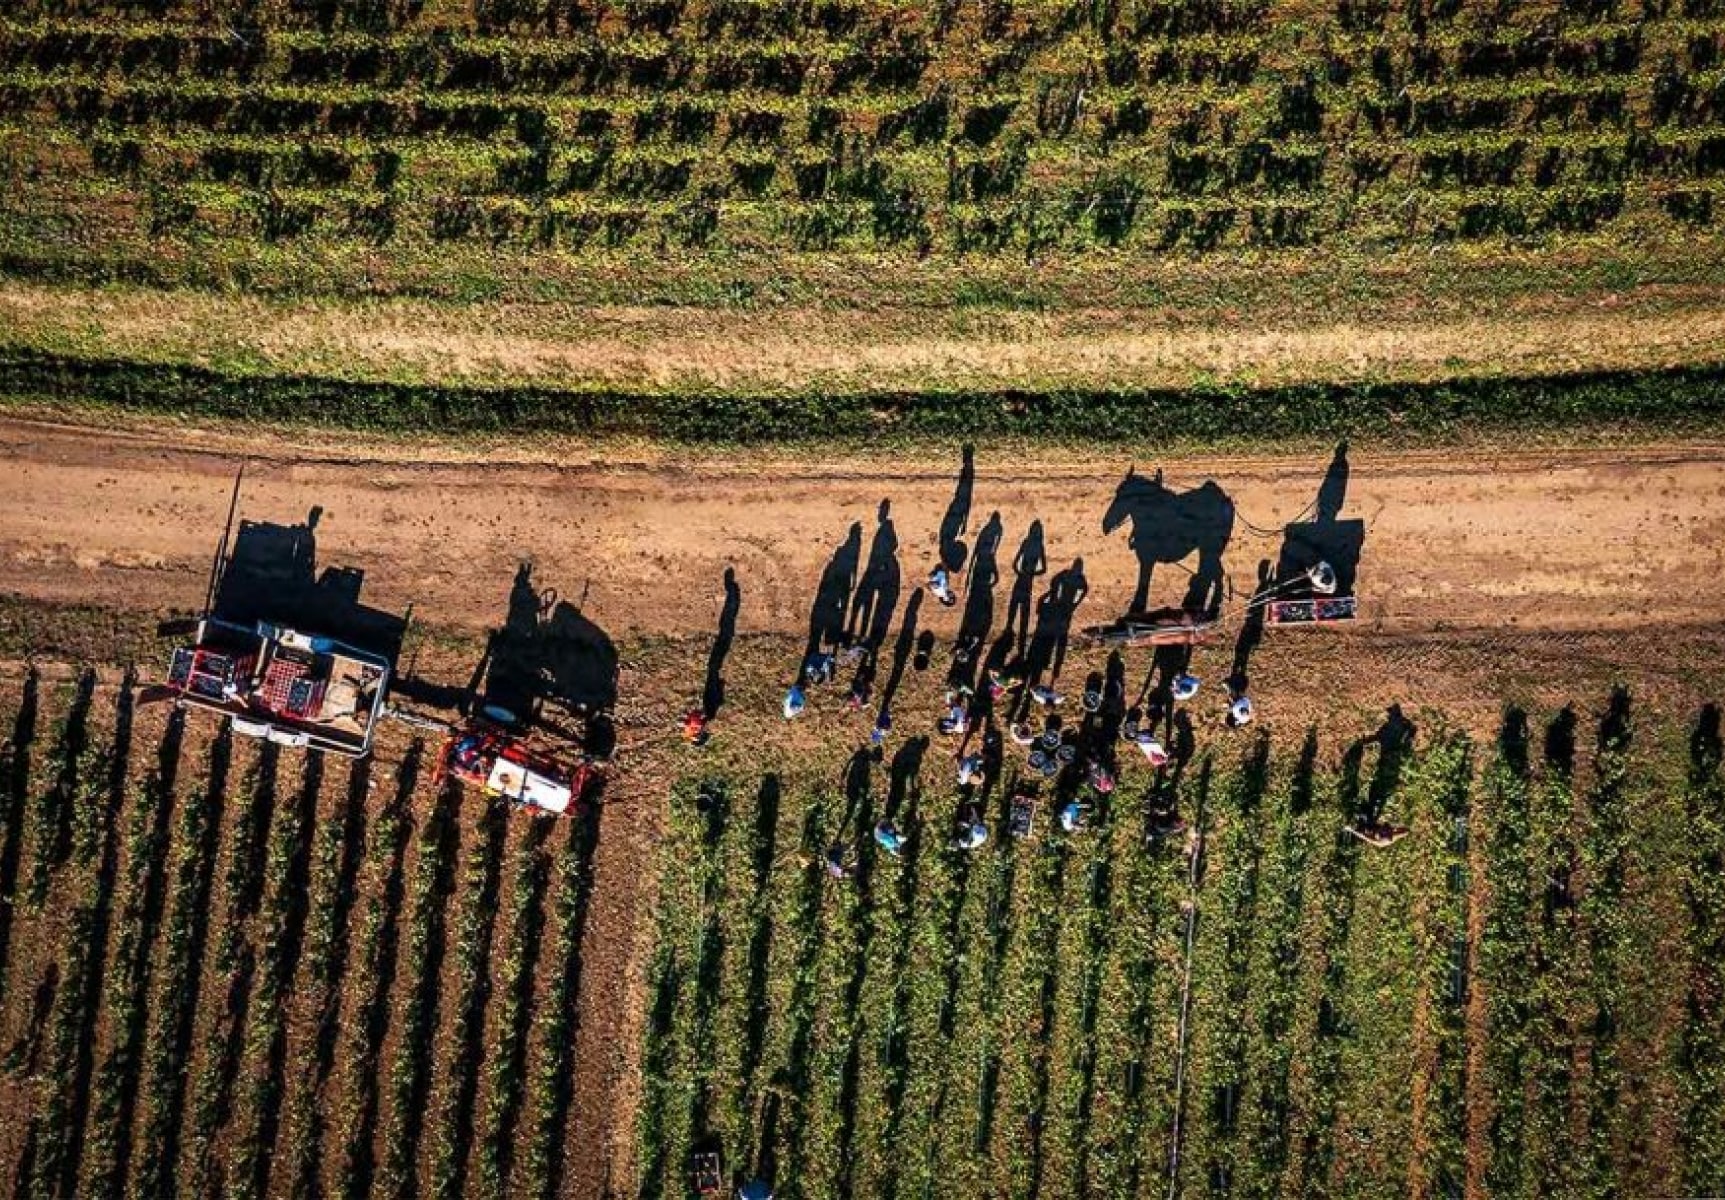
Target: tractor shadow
[1336, 882]
[1327, 537]
[1169, 527]
[270, 573]
[768, 802]
[580, 845]
[548, 665]
[785, 1123]
[16, 765]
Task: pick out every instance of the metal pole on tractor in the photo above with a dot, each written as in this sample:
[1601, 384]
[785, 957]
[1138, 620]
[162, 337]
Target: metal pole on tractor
[220, 563]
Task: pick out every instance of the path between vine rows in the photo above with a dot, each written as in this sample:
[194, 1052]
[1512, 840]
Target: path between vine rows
[1479, 547]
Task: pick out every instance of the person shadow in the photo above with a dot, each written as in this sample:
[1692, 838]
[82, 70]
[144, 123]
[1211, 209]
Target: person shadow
[833, 595]
[1251, 634]
[713, 690]
[877, 590]
[856, 786]
[902, 650]
[1326, 538]
[1394, 741]
[953, 525]
[1705, 750]
[1169, 527]
[1054, 615]
[1029, 564]
[978, 615]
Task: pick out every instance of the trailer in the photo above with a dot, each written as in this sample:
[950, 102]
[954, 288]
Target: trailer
[288, 686]
[484, 754]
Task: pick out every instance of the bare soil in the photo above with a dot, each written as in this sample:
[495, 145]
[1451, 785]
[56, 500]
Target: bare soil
[1488, 575]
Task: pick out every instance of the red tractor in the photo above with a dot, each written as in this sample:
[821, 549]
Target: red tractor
[484, 754]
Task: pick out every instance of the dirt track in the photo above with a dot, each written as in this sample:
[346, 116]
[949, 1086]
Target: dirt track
[1468, 557]
[1540, 540]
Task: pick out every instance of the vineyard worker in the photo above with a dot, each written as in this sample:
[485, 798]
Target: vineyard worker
[1185, 686]
[1240, 711]
[755, 1189]
[940, 583]
[1129, 726]
[695, 730]
[1002, 680]
[889, 838]
[882, 726]
[972, 833]
[1072, 817]
[1165, 823]
[1152, 750]
[820, 667]
[837, 868]
[794, 702]
[1377, 833]
[969, 769]
[957, 718]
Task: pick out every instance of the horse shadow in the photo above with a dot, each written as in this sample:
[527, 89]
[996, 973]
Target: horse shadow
[1169, 527]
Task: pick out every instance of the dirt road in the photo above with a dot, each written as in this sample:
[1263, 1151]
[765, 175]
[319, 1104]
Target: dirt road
[1535, 540]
